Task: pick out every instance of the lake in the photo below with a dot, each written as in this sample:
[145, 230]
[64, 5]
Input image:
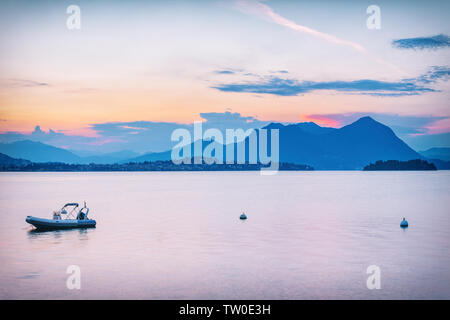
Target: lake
[177, 235]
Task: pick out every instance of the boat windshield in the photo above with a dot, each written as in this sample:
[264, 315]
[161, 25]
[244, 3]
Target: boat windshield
[71, 210]
[74, 204]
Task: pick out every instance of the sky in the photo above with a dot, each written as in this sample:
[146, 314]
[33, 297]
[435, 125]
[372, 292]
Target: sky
[137, 70]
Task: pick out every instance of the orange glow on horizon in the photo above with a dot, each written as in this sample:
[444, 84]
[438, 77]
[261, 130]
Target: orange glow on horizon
[73, 113]
[321, 120]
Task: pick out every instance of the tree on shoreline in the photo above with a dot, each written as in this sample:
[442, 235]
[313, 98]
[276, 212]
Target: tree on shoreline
[389, 165]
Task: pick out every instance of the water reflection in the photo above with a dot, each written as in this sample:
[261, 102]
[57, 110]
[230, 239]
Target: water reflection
[178, 235]
[58, 234]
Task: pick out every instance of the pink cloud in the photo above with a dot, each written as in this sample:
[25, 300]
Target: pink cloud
[441, 126]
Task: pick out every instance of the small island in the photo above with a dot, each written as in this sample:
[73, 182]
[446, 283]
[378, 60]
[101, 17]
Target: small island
[391, 165]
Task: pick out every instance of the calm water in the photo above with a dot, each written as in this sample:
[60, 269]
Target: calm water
[177, 235]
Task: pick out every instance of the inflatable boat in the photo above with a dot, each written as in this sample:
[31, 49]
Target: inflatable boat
[71, 221]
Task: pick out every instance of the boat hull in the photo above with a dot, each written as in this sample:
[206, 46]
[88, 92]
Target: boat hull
[49, 224]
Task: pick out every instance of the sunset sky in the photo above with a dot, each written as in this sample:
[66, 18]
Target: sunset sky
[163, 63]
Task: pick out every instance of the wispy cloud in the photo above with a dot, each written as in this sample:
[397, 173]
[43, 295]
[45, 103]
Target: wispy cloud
[24, 83]
[292, 87]
[258, 8]
[224, 72]
[230, 120]
[434, 74]
[435, 42]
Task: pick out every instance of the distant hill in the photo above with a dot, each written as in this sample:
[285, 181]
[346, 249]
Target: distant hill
[349, 148]
[110, 158]
[37, 152]
[151, 156]
[400, 165]
[441, 165]
[6, 161]
[437, 153]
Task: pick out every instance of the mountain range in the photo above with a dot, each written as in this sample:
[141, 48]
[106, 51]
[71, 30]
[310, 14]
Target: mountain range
[40, 152]
[8, 161]
[37, 152]
[348, 148]
[437, 153]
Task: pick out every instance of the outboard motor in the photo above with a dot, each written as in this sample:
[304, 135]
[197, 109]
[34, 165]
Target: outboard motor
[83, 214]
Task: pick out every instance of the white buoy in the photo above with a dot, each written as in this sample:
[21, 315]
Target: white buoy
[404, 223]
[243, 216]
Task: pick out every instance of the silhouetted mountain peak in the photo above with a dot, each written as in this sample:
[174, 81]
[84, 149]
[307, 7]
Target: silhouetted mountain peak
[308, 124]
[367, 125]
[274, 125]
[367, 118]
[366, 121]
[313, 128]
[300, 128]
